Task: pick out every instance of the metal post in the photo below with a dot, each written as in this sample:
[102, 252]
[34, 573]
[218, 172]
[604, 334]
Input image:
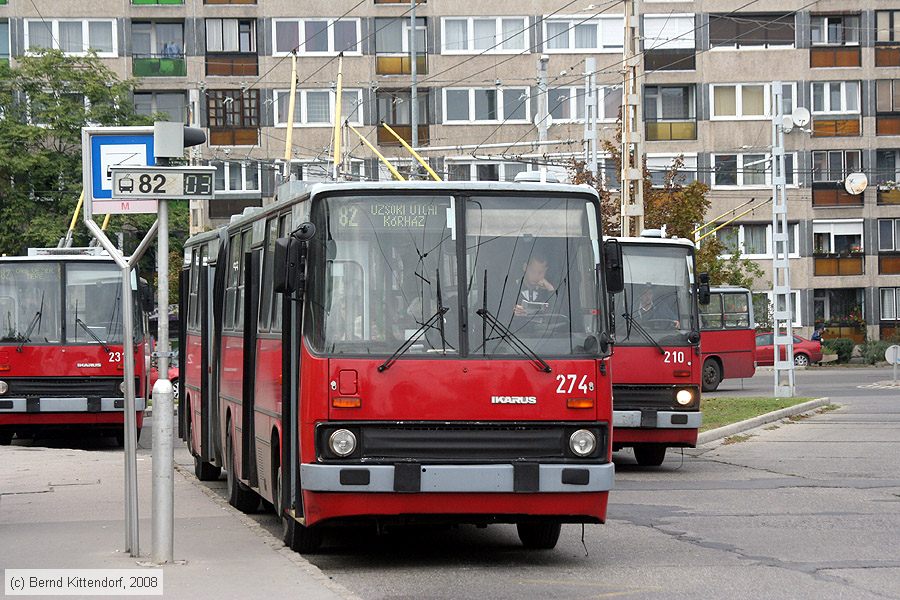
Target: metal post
[591, 106]
[413, 78]
[163, 409]
[782, 311]
[632, 177]
[543, 107]
[131, 499]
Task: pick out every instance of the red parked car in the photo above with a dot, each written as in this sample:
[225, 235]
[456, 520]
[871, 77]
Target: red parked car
[173, 377]
[805, 351]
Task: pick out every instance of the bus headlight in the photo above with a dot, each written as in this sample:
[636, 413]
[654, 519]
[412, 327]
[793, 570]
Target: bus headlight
[684, 397]
[583, 442]
[342, 442]
[4, 387]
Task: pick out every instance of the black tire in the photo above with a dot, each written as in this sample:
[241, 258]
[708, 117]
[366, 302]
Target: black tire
[650, 455]
[712, 375]
[801, 360]
[120, 437]
[5, 437]
[239, 495]
[203, 470]
[539, 535]
[304, 540]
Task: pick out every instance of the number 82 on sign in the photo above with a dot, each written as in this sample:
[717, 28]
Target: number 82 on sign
[173, 183]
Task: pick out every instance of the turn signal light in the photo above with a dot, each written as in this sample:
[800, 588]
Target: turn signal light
[682, 373]
[580, 403]
[346, 402]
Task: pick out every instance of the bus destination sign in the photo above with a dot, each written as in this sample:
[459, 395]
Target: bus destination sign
[161, 183]
[387, 214]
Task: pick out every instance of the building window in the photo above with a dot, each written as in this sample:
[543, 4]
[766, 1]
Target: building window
[173, 105]
[751, 30]
[485, 105]
[392, 43]
[843, 236]
[669, 103]
[318, 170]
[316, 107]
[316, 36]
[835, 165]
[835, 97]
[839, 30]
[737, 170]
[484, 171]
[579, 35]
[888, 303]
[236, 36]
[236, 176]
[74, 37]
[660, 166]
[157, 39]
[889, 235]
[763, 305]
[754, 240]
[4, 40]
[887, 95]
[668, 32]
[489, 36]
[887, 26]
[740, 101]
[235, 114]
[394, 107]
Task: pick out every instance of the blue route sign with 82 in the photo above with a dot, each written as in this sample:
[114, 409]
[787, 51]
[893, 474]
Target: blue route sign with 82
[161, 183]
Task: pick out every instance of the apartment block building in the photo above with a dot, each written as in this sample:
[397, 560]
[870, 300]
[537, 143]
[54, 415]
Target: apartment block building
[225, 65]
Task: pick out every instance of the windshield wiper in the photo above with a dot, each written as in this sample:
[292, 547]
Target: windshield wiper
[406, 345]
[632, 322]
[91, 333]
[34, 323]
[513, 340]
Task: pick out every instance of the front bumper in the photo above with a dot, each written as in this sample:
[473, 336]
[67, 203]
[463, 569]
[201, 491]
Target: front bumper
[66, 405]
[494, 478]
[662, 419]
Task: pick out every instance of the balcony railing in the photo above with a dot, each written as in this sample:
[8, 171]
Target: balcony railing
[889, 263]
[157, 1]
[229, 1]
[887, 56]
[678, 59]
[833, 194]
[158, 66]
[888, 330]
[237, 65]
[888, 196]
[400, 65]
[835, 56]
[837, 265]
[671, 130]
[233, 136]
[837, 126]
[855, 332]
[404, 131]
[887, 125]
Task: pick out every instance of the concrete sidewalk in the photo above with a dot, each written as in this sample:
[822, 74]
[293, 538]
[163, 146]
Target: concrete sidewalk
[63, 508]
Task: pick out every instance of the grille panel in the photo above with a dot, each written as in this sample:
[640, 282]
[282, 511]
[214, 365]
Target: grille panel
[636, 397]
[64, 387]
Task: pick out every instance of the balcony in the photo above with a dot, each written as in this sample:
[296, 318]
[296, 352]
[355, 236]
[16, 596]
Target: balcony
[675, 59]
[837, 127]
[405, 131]
[400, 65]
[888, 196]
[829, 195]
[157, 1]
[887, 125]
[856, 332]
[229, 1]
[835, 56]
[158, 66]
[233, 136]
[889, 263]
[658, 131]
[839, 265]
[232, 65]
[888, 330]
[887, 56]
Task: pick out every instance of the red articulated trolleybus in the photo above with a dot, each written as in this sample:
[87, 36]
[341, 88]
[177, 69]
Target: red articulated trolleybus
[404, 352]
[728, 336]
[61, 335]
[656, 364]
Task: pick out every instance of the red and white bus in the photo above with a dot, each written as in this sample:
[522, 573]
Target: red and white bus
[61, 344]
[656, 363]
[404, 375]
[728, 342]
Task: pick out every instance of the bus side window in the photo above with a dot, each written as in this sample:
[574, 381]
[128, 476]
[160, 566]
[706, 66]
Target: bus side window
[711, 314]
[231, 287]
[284, 228]
[194, 289]
[266, 294]
[737, 312]
[242, 281]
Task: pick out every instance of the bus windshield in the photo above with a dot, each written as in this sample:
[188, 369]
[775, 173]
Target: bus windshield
[29, 303]
[392, 266]
[658, 295]
[94, 304]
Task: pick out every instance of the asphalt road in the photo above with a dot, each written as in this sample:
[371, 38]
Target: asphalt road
[803, 509]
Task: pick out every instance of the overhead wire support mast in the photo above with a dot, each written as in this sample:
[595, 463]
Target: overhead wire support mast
[632, 177]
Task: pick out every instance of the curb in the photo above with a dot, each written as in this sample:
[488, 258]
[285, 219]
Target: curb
[722, 432]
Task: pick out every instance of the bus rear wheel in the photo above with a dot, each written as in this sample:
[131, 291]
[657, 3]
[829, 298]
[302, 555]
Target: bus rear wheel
[239, 495]
[5, 437]
[712, 375]
[650, 455]
[304, 540]
[120, 437]
[203, 470]
[539, 535]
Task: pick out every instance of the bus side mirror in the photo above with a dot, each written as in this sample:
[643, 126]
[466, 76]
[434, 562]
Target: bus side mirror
[703, 294]
[290, 260]
[613, 266]
[145, 296]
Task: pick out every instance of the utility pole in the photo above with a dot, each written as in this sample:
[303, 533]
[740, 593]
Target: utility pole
[783, 336]
[591, 106]
[543, 107]
[632, 179]
[413, 77]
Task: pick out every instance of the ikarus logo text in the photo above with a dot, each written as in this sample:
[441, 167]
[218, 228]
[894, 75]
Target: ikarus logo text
[513, 399]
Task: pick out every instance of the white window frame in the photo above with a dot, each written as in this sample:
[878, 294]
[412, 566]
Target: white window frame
[844, 169]
[895, 235]
[7, 52]
[601, 112]
[153, 100]
[498, 33]
[501, 112]
[681, 40]
[301, 39]
[740, 171]
[825, 19]
[655, 161]
[739, 100]
[357, 166]
[572, 21]
[85, 35]
[895, 292]
[245, 166]
[795, 304]
[473, 167]
[404, 41]
[572, 92]
[826, 97]
[332, 99]
[819, 224]
[793, 251]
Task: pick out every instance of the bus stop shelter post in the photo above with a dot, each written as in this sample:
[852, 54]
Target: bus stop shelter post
[163, 409]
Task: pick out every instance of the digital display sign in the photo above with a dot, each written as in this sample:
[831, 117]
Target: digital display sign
[390, 214]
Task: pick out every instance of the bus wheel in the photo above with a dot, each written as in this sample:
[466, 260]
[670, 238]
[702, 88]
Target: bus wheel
[712, 375]
[305, 540]
[203, 470]
[801, 360]
[120, 437]
[650, 455]
[5, 437]
[540, 535]
[239, 496]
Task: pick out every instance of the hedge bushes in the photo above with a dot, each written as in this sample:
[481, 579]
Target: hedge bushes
[873, 352]
[843, 347]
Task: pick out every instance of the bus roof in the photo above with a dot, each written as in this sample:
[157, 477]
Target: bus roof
[728, 288]
[59, 258]
[652, 240]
